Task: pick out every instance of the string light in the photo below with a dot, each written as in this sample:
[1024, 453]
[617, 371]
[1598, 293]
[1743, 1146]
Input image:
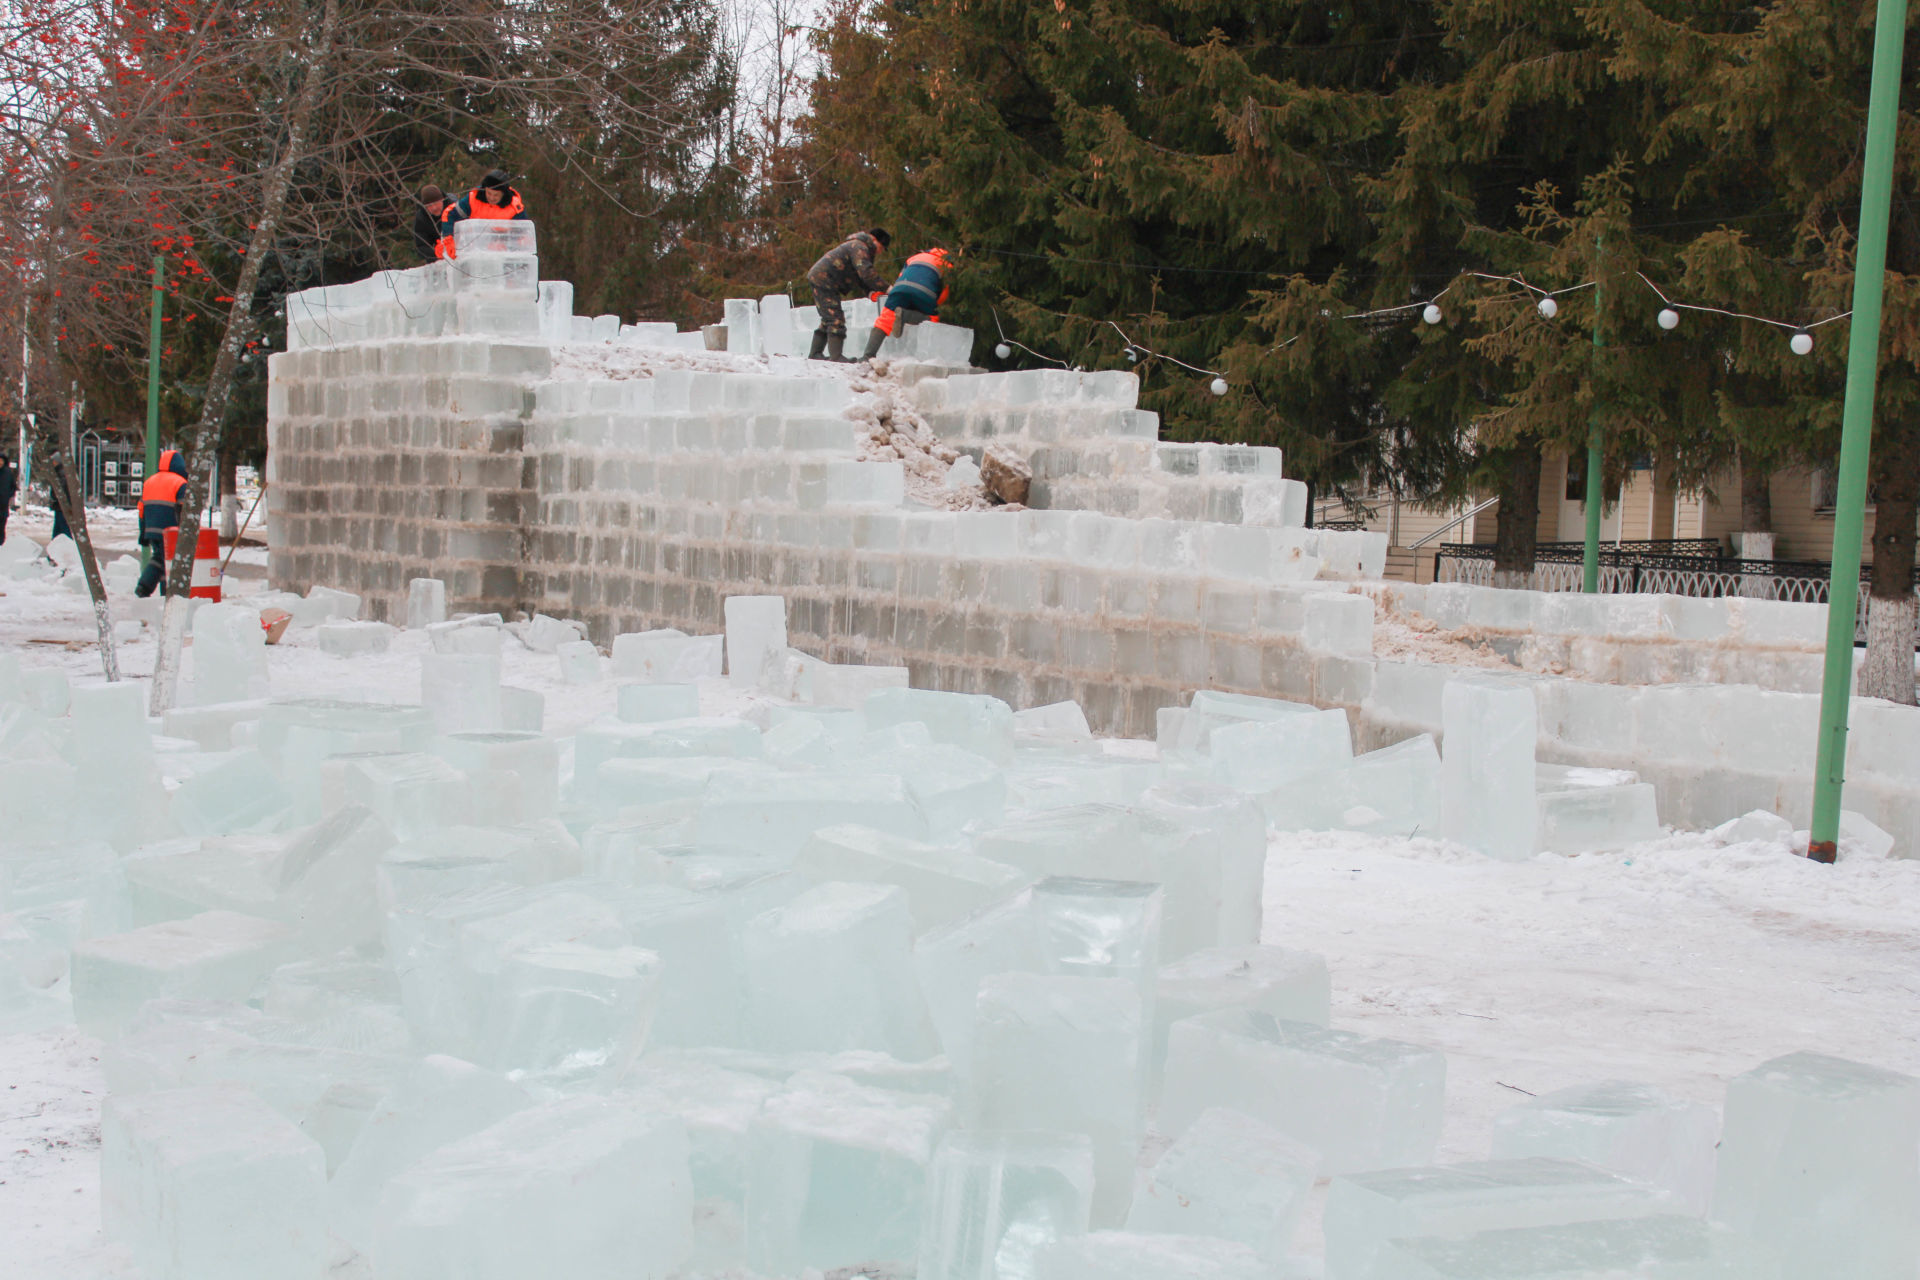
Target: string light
[1548, 305]
[1801, 343]
[1004, 347]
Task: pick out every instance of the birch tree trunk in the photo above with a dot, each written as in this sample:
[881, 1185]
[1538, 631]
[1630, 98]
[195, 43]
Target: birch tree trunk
[50, 449]
[213, 409]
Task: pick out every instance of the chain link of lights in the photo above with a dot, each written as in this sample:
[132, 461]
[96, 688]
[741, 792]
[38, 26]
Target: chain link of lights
[1547, 303]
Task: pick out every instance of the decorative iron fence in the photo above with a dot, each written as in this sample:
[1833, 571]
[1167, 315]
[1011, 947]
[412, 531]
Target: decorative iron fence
[1678, 567]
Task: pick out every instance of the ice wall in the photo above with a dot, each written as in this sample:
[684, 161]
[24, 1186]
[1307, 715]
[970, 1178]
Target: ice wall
[419, 430]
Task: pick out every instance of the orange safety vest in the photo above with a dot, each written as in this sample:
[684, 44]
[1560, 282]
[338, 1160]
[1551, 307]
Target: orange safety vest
[162, 489]
[484, 210]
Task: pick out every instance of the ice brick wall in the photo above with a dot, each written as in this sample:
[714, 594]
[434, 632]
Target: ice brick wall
[629, 505]
[401, 459]
[1630, 639]
[425, 438]
[1092, 449]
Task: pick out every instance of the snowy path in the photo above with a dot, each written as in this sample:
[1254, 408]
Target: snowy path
[1678, 962]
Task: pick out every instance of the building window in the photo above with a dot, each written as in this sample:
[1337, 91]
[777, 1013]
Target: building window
[1826, 491]
[1577, 481]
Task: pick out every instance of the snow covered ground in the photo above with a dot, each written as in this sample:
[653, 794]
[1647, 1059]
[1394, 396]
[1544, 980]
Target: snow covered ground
[1680, 962]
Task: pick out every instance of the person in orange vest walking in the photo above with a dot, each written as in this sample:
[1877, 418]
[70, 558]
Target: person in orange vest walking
[915, 297]
[159, 511]
[494, 199]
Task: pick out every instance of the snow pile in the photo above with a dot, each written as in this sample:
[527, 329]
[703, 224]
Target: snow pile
[883, 978]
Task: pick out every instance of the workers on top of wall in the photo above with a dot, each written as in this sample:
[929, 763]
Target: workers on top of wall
[915, 297]
[426, 222]
[159, 511]
[494, 199]
[844, 271]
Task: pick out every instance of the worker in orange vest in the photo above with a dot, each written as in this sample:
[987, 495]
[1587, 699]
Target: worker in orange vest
[493, 200]
[916, 296]
[159, 511]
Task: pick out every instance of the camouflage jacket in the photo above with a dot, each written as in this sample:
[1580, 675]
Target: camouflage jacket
[847, 268]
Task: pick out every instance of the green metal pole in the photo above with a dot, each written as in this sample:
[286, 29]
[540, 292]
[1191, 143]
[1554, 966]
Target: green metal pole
[1856, 439]
[153, 367]
[153, 384]
[1590, 558]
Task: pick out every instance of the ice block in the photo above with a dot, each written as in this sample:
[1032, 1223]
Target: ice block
[1820, 1162]
[1257, 756]
[952, 787]
[1392, 791]
[579, 662]
[972, 721]
[1365, 1212]
[755, 625]
[943, 883]
[1292, 986]
[833, 970]
[211, 1183]
[952, 961]
[587, 1188]
[1635, 1130]
[1206, 845]
[1585, 819]
[995, 1199]
[1487, 798]
[426, 603]
[571, 1015]
[1066, 1054]
[837, 1174]
[217, 955]
[441, 1100]
[776, 815]
[461, 691]
[1361, 1102]
[1100, 929]
[1232, 1177]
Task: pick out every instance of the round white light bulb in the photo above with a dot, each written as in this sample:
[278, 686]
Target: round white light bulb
[1669, 318]
[1549, 308]
[1218, 386]
[1003, 350]
[1801, 342]
[1432, 314]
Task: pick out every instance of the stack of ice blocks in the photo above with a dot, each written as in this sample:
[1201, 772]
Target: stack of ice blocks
[919, 984]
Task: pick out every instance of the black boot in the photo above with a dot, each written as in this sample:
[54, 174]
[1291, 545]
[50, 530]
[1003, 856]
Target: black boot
[874, 339]
[836, 349]
[819, 346]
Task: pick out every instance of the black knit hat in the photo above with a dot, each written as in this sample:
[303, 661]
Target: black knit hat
[496, 179]
[881, 234]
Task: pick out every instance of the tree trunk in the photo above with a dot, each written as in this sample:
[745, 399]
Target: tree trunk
[50, 447]
[1887, 671]
[1756, 509]
[1517, 523]
[208, 430]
